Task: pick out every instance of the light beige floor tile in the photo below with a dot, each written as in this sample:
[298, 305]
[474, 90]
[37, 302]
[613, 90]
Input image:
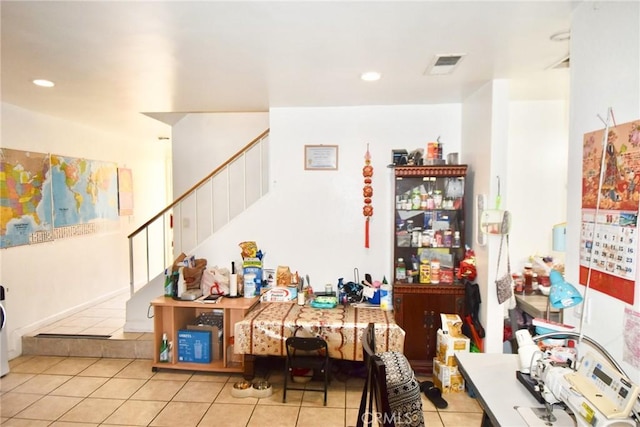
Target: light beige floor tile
[136, 412]
[79, 386]
[92, 410]
[119, 334]
[71, 366]
[12, 380]
[198, 391]
[228, 415]
[18, 422]
[99, 330]
[276, 416]
[105, 367]
[335, 399]
[79, 321]
[183, 414]
[19, 360]
[118, 388]
[69, 424]
[104, 313]
[294, 397]
[353, 397]
[61, 329]
[37, 364]
[460, 402]
[351, 417]
[432, 419]
[210, 376]
[42, 384]
[321, 417]
[12, 403]
[173, 375]
[49, 408]
[147, 336]
[158, 390]
[139, 369]
[455, 419]
[114, 323]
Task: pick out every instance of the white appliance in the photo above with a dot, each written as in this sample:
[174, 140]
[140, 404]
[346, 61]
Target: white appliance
[4, 359]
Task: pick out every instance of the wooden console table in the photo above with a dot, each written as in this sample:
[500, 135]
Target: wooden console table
[172, 315]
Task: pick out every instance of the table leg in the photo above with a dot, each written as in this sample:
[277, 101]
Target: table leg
[249, 367]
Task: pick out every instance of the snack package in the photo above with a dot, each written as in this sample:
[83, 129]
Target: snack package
[283, 276]
[248, 249]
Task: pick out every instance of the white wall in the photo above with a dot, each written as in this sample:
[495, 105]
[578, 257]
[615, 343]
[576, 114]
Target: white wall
[484, 146]
[537, 176]
[605, 72]
[47, 280]
[312, 220]
[203, 141]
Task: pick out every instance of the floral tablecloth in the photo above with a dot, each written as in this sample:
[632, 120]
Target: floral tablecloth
[264, 330]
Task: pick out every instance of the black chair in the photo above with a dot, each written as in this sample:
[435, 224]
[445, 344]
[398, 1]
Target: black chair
[375, 386]
[306, 353]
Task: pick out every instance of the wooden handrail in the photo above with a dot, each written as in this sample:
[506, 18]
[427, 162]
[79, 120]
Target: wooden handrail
[196, 186]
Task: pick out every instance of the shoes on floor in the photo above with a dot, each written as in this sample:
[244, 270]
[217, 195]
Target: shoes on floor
[434, 394]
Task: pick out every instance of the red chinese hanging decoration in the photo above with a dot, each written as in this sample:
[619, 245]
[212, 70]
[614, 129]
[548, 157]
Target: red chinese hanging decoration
[367, 192]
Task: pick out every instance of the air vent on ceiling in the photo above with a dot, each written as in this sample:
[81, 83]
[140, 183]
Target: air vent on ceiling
[444, 64]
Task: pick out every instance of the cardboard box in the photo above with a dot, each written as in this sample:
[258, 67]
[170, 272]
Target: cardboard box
[450, 339]
[216, 339]
[447, 378]
[194, 346]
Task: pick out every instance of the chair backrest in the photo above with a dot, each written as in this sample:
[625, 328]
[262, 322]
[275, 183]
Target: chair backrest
[315, 345]
[376, 384]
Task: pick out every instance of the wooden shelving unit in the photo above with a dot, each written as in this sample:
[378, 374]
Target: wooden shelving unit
[172, 315]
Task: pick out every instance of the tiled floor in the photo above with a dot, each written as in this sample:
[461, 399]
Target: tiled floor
[107, 391]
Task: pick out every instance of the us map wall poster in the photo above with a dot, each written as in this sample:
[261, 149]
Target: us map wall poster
[609, 242]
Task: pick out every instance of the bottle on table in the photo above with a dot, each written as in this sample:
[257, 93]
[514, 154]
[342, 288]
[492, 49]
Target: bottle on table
[164, 349]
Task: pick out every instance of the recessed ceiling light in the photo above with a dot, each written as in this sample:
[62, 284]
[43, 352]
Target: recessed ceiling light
[561, 36]
[370, 76]
[43, 83]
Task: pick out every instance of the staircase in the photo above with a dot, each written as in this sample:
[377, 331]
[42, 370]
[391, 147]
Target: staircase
[191, 219]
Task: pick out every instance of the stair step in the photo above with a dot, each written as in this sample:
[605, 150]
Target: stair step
[127, 345]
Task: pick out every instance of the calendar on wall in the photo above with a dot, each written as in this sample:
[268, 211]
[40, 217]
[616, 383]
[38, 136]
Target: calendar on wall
[609, 232]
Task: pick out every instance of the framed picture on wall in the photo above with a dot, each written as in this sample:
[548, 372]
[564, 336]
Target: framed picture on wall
[321, 157]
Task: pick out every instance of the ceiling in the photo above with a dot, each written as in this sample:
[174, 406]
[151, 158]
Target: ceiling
[117, 64]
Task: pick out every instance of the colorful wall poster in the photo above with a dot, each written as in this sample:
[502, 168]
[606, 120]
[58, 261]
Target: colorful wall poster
[610, 200]
[83, 190]
[125, 191]
[25, 198]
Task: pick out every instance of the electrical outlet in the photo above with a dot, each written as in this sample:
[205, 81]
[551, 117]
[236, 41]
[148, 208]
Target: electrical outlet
[577, 311]
[587, 311]
[586, 307]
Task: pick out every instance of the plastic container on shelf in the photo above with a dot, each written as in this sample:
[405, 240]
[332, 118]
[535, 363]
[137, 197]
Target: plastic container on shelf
[401, 270]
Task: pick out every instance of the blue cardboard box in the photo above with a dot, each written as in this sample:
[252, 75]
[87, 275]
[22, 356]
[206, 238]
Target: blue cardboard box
[194, 346]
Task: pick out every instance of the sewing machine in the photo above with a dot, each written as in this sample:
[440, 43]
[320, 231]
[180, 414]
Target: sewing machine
[596, 394]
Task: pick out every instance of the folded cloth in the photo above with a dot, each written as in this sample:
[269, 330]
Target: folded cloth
[434, 394]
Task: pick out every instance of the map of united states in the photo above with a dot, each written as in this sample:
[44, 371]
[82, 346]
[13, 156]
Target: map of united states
[25, 196]
[41, 193]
